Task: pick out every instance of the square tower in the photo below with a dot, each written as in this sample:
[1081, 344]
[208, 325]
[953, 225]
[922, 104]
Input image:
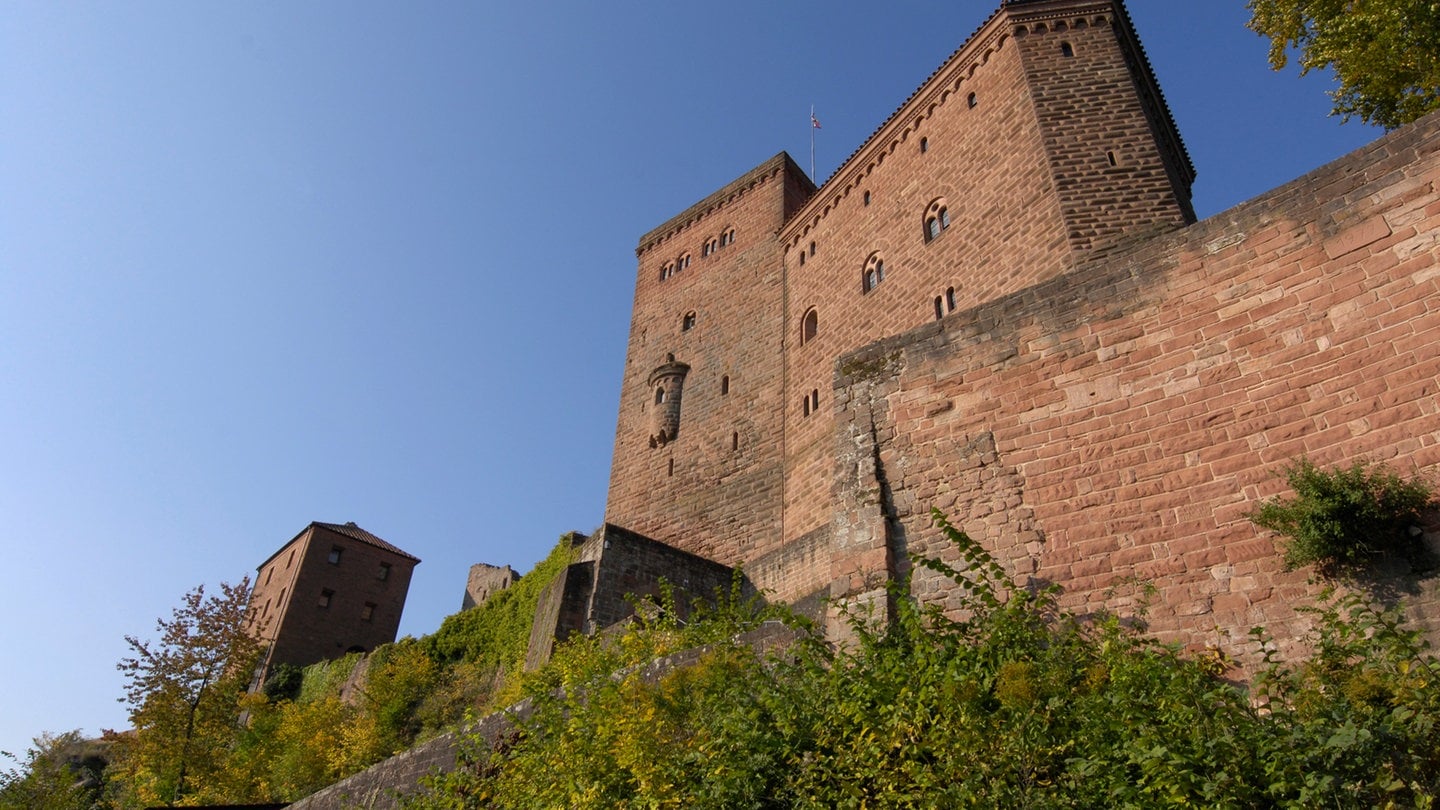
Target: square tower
[331, 590]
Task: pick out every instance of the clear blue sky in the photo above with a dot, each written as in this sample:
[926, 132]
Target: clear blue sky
[266, 263]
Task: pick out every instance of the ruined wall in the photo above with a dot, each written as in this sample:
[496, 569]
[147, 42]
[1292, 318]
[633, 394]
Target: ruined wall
[613, 569]
[484, 581]
[1119, 421]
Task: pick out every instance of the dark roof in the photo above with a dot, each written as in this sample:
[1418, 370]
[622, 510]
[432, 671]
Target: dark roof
[354, 532]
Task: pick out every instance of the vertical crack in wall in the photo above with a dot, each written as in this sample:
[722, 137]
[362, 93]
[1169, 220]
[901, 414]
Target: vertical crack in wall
[897, 559]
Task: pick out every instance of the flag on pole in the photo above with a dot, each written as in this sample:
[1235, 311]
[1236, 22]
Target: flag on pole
[814, 125]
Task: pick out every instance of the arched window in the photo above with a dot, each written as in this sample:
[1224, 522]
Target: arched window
[924, 145]
[735, 441]
[939, 308]
[950, 299]
[725, 385]
[1067, 50]
[873, 274]
[659, 396]
[937, 219]
[812, 248]
[667, 271]
[802, 258]
[867, 198]
[970, 101]
[682, 263]
[688, 322]
[809, 326]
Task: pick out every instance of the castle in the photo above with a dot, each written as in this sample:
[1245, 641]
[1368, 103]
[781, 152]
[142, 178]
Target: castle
[1001, 306]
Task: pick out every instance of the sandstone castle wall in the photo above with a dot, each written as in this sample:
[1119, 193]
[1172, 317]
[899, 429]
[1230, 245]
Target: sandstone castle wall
[1013, 246]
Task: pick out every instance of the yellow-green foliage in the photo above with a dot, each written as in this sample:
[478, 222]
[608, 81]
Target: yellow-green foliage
[288, 748]
[327, 677]
[1018, 705]
[497, 633]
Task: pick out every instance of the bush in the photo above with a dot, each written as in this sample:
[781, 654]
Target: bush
[1340, 518]
[1019, 704]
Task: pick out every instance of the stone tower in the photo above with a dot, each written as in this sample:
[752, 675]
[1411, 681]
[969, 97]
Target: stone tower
[1041, 141]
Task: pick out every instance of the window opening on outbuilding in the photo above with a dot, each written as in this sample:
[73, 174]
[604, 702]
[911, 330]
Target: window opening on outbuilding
[384, 572]
[335, 552]
[325, 596]
[368, 612]
[809, 326]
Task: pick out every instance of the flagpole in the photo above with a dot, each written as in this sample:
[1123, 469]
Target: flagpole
[812, 143]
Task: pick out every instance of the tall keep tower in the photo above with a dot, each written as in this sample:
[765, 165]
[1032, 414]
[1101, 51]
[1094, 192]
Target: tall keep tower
[1040, 141]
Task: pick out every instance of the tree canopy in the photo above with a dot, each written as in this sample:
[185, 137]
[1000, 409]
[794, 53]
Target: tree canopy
[184, 690]
[1385, 53]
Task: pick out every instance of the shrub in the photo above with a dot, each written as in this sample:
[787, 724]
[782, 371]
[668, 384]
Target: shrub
[1341, 517]
[1018, 704]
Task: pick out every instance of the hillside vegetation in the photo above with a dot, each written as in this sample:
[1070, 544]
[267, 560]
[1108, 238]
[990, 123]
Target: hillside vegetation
[1019, 705]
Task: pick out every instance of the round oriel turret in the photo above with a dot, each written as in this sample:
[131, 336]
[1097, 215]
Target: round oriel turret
[666, 383]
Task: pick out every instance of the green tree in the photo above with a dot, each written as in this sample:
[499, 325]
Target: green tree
[184, 690]
[60, 772]
[1385, 53]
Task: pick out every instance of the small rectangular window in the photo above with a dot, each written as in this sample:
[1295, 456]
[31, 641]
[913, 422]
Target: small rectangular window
[368, 612]
[384, 572]
[335, 552]
[325, 596]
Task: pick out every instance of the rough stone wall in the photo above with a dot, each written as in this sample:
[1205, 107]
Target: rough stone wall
[485, 581]
[714, 488]
[612, 570]
[1115, 424]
